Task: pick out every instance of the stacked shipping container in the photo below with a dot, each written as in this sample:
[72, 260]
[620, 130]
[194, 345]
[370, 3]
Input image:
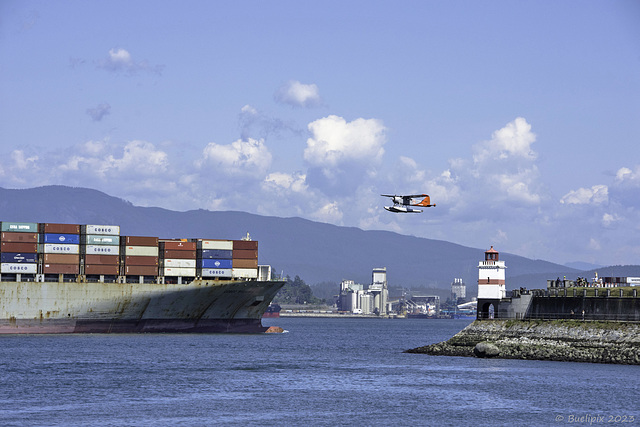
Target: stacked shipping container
[60, 244]
[101, 249]
[227, 258]
[215, 258]
[19, 247]
[178, 258]
[245, 258]
[140, 256]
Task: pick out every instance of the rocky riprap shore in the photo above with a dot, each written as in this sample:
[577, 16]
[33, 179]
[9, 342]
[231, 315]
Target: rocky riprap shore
[560, 340]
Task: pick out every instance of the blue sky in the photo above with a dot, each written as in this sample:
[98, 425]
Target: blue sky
[520, 119]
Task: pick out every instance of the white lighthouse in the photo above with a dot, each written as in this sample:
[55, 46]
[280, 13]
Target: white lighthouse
[491, 272]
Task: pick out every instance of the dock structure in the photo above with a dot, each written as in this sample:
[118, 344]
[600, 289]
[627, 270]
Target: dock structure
[605, 298]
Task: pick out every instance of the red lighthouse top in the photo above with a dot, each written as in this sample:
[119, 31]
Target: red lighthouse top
[491, 255]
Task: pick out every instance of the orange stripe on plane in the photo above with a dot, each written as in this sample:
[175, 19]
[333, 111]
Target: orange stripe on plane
[426, 202]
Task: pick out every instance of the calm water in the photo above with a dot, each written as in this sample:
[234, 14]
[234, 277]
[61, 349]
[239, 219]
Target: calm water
[322, 372]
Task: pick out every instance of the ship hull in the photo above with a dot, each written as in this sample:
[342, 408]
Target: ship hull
[201, 306]
[118, 326]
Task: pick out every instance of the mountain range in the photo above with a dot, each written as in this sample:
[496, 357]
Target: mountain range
[317, 252]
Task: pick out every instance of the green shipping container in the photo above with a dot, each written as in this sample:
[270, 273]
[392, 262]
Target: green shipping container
[23, 227]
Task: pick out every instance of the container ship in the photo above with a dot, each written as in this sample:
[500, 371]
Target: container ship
[272, 311]
[72, 278]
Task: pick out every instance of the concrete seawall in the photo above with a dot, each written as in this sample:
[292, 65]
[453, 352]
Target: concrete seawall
[560, 340]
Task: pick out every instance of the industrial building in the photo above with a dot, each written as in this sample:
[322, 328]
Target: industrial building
[354, 298]
[458, 291]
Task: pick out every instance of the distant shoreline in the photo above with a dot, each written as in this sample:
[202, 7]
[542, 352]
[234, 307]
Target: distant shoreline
[361, 316]
[334, 315]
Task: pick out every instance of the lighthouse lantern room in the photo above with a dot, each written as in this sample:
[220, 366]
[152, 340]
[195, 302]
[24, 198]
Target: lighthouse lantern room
[491, 273]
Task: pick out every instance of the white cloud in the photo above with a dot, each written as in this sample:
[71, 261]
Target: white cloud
[594, 245]
[334, 141]
[248, 109]
[250, 158]
[142, 157]
[21, 162]
[516, 187]
[628, 177]
[609, 219]
[501, 173]
[293, 182]
[20, 168]
[596, 195]
[120, 60]
[502, 170]
[625, 190]
[329, 212]
[501, 236]
[513, 140]
[120, 56]
[298, 94]
[624, 173]
[410, 168]
[137, 159]
[93, 148]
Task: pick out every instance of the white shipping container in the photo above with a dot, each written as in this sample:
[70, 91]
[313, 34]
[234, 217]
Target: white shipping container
[176, 271]
[99, 239]
[58, 248]
[102, 250]
[180, 263]
[245, 273]
[216, 272]
[111, 230]
[141, 250]
[18, 268]
[226, 245]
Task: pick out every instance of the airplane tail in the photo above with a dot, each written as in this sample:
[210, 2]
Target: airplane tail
[426, 202]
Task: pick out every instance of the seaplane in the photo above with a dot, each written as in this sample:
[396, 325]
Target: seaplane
[402, 204]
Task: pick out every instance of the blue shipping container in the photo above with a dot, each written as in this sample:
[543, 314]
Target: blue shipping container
[214, 263]
[13, 257]
[215, 254]
[67, 239]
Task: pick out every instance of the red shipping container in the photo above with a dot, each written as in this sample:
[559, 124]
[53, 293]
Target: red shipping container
[141, 260]
[141, 241]
[60, 228]
[60, 268]
[102, 259]
[245, 254]
[12, 237]
[30, 248]
[110, 270]
[180, 254]
[61, 259]
[140, 270]
[251, 245]
[178, 246]
[245, 263]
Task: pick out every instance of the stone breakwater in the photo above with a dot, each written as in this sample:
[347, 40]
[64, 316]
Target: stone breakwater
[561, 340]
